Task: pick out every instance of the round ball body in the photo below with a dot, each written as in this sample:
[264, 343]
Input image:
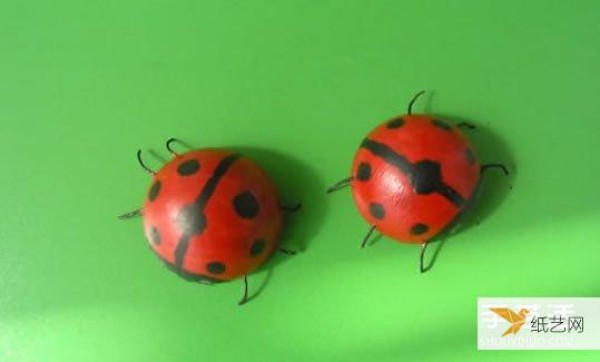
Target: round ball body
[412, 176]
[212, 215]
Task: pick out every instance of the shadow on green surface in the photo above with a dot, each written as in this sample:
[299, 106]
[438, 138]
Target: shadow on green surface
[297, 183]
[494, 186]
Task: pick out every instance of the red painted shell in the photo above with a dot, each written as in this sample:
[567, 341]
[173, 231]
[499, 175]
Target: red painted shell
[412, 176]
[212, 215]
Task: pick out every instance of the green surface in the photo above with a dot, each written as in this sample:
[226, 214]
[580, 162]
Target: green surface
[297, 84]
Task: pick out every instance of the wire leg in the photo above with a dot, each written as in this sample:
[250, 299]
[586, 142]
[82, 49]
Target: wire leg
[366, 238]
[412, 101]
[245, 296]
[340, 184]
[466, 125]
[495, 165]
[169, 148]
[131, 214]
[294, 208]
[143, 165]
[287, 251]
[422, 257]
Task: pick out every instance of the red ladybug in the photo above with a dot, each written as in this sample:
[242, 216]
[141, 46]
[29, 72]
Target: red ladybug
[211, 215]
[412, 176]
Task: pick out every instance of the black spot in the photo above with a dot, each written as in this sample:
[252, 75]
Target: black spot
[191, 220]
[215, 267]
[441, 124]
[470, 156]
[257, 247]
[395, 123]
[364, 171]
[377, 210]
[188, 167]
[154, 236]
[419, 229]
[154, 190]
[426, 177]
[246, 205]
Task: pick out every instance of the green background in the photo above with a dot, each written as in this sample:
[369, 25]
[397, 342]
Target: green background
[296, 84]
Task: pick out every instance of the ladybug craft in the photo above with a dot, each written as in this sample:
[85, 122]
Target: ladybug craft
[212, 215]
[412, 176]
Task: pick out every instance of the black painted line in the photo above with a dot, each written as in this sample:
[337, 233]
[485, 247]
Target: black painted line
[451, 195]
[201, 202]
[393, 158]
[181, 250]
[211, 184]
[388, 155]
